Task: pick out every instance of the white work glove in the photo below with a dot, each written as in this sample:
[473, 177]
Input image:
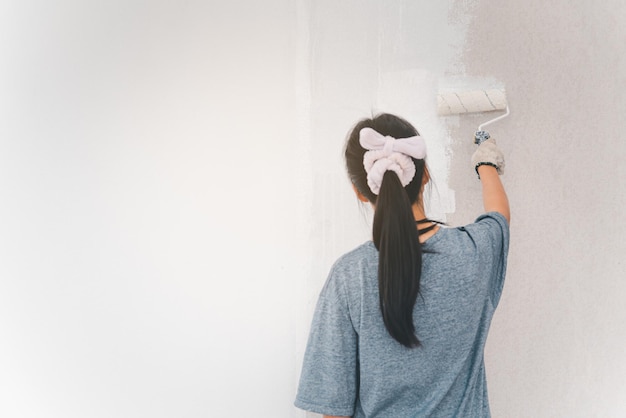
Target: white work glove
[488, 153]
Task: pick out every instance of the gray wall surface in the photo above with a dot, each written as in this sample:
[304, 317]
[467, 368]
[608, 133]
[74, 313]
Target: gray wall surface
[556, 348]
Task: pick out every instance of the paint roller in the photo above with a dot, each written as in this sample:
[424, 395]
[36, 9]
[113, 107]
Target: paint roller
[455, 103]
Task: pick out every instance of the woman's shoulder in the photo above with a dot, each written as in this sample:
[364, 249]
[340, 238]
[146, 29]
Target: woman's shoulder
[490, 224]
[358, 257]
[353, 267]
[488, 227]
[349, 273]
[489, 220]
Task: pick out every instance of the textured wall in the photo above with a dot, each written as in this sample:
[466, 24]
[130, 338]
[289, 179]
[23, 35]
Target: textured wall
[556, 347]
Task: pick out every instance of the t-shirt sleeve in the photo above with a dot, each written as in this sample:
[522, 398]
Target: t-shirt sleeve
[329, 379]
[495, 229]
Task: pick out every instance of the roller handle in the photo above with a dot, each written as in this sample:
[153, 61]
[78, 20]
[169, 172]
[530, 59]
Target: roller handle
[481, 136]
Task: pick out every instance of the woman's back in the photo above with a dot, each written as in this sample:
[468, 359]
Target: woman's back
[400, 327]
[353, 365]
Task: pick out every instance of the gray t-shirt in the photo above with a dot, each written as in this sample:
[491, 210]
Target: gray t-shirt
[353, 367]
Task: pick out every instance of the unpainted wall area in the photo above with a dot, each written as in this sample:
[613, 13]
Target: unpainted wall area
[556, 345]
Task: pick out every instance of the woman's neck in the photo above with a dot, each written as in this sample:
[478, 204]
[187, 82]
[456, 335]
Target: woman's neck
[418, 211]
[418, 214]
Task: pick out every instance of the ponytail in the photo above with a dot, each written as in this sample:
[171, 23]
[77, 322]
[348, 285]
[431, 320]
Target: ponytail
[395, 231]
[400, 259]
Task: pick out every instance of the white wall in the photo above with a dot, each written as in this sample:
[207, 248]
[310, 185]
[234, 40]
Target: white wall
[150, 212]
[173, 193]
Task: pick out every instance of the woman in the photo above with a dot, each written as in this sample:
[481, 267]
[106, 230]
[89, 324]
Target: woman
[401, 323]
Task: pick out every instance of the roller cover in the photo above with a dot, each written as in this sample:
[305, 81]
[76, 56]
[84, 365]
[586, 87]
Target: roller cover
[470, 101]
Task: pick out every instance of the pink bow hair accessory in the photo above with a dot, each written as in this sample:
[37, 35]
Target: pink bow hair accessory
[413, 146]
[386, 153]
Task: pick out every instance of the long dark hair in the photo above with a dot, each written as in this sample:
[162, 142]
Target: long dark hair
[395, 233]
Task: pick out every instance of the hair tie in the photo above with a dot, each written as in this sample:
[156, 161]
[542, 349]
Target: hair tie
[386, 153]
